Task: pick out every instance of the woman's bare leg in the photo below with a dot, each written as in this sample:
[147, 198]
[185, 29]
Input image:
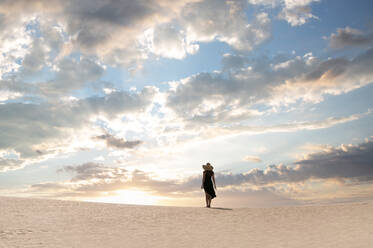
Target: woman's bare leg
[207, 199]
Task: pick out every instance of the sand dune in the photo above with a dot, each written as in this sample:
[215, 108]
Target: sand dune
[52, 223]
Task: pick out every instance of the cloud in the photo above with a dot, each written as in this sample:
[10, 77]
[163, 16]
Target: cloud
[49, 127]
[95, 178]
[206, 21]
[119, 102]
[13, 47]
[230, 95]
[92, 180]
[205, 104]
[14, 88]
[39, 36]
[250, 158]
[225, 21]
[169, 41]
[295, 12]
[112, 141]
[53, 58]
[109, 28]
[10, 164]
[204, 132]
[47, 45]
[65, 74]
[272, 3]
[350, 37]
[71, 75]
[122, 32]
[6, 95]
[333, 76]
[347, 161]
[206, 97]
[90, 170]
[30, 39]
[348, 164]
[35, 59]
[106, 29]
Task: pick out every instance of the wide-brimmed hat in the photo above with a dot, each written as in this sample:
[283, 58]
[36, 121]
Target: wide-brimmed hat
[207, 166]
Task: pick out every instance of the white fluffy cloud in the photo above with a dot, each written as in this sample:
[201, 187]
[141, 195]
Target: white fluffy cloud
[169, 41]
[122, 32]
[295, 12]
[106, 29]
[225, 21]
[14, 46]
[205, 21]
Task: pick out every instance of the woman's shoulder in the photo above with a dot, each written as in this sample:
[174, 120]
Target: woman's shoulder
[208, 172]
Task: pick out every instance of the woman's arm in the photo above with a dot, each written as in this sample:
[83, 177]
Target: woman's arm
[213, 179]
[203, 180]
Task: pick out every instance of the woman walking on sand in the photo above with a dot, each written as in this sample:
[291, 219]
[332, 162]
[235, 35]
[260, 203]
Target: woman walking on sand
[207, 185]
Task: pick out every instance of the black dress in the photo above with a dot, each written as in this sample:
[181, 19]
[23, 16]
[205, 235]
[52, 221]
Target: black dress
[207, 184]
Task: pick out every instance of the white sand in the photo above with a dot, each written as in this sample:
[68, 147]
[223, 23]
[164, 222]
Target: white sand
[50, 223]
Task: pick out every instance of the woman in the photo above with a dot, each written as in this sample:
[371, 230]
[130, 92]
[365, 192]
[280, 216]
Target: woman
[207, 183]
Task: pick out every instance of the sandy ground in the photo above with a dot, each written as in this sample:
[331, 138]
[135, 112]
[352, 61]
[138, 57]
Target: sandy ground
[51, 223]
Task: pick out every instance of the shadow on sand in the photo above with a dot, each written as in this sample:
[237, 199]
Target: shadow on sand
[222, 208]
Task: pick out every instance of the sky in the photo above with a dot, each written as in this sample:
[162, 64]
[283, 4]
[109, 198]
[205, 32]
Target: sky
[123, 101]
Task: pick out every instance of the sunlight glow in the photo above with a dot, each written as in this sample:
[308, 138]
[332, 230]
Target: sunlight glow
[136, 197]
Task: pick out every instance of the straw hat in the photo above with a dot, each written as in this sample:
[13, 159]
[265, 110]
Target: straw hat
[207, 167]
